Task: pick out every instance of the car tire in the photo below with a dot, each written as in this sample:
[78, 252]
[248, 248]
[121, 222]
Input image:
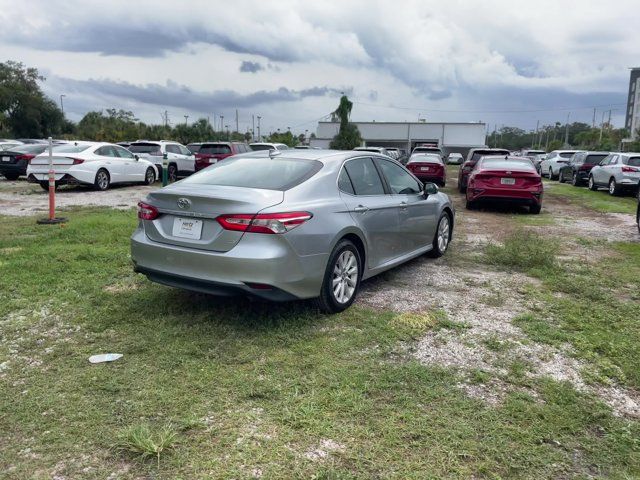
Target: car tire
[535, 209]
[442, 236]
[12, 176]
[551, 177]
[150, 176]
[575, 181]
[469, 205]
[613, 187]
[103, 180]
[561, 178]
[339, 272]
[172, 173]
[592, 184]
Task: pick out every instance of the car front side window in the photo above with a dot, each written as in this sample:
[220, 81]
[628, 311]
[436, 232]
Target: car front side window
[364, 176]
[400, 181]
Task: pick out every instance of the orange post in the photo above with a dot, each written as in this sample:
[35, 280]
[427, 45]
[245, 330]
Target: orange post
[52, 192]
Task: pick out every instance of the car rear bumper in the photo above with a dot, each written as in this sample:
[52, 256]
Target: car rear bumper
[629, 181]
[522, 197]
[259, 265]
[13, 168]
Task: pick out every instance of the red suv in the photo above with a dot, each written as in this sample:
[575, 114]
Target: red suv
[212, 152]
[472, 158]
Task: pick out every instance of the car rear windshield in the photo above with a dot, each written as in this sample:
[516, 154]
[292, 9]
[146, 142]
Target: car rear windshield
[214, 149]
[263, 173]
[70, 148]
[425, 158]
[634, 161]
[144, 147]
[194, 148]
[506, 164]
[261, 147]
[28, 148]
[483, 153]
[595, 159]
[566, 154]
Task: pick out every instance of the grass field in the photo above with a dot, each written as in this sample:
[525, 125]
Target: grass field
[212, 388]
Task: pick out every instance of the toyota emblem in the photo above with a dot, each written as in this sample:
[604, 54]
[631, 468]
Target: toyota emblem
[184, 203]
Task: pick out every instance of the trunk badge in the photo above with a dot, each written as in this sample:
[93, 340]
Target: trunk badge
[184, 203]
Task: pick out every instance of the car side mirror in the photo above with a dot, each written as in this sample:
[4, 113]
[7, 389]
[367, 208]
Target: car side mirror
[430, 189]
[136, 157]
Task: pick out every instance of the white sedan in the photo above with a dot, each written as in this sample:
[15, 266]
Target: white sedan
[91, 163]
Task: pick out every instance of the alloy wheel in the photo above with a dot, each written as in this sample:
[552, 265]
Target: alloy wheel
[443, 234]
[345, 277]
[102, 180]
[574, 180]
[151, 177]
[612, 187]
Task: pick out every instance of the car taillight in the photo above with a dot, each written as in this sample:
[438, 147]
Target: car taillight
[263, 222]
[147, 212]
[26, 157]
[586, 167]
[626, 169]
[76, 161]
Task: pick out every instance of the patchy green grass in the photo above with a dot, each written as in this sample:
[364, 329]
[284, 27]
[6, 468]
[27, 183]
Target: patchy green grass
[523, 250]
[599, 201]
[227, 388]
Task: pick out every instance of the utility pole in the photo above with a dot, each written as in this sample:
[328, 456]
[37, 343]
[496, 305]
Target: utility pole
[221, 123]
[566, 131]
[536, 134]
[253, 127]
[593, 122]
[186, 117]
[61, 104]
[259, 136]
[601, 126]
[237, 127]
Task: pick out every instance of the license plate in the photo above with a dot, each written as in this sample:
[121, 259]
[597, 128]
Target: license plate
[425, 169]
[6, 159]
[187, 228]
[508, 181]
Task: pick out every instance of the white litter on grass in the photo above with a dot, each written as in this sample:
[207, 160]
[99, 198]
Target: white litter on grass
[105, 357]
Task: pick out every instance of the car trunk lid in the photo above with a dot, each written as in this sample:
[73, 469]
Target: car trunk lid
[188, 215]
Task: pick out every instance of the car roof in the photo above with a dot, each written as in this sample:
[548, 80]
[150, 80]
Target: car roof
[325, 156]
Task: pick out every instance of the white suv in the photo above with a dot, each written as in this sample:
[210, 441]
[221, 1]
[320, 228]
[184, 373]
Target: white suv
[181, 161]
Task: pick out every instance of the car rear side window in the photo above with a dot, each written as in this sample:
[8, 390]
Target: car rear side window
[344, 182]
[263, 173]
[364, 176]
[594, 159]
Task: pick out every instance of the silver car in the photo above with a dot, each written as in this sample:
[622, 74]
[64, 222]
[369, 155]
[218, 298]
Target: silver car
[290, 225]
[617, 172]
[554, 161]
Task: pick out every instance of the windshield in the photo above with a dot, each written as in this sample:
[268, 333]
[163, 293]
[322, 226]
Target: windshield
[425, 158]
[29, 148]
[634, 161]
[264, 173]
[483, 153]
[261, 147]
[505, 163]
[70, 148]
[567, 154]
[214, 149]
[144, 148]
[595, 159]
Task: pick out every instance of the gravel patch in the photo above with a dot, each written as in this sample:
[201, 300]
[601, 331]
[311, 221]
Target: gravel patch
[23, 199]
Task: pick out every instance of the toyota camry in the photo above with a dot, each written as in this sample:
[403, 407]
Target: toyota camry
[287, 225]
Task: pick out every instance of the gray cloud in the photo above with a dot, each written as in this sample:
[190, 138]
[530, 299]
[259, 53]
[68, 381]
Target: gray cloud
[173, 94]
[251, 67]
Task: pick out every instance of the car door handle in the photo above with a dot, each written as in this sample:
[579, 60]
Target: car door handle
[403, 205]
[361, 209]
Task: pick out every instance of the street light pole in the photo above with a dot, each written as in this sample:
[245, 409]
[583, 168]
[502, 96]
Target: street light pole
[61, 104]
[186, 117]
[259, 137]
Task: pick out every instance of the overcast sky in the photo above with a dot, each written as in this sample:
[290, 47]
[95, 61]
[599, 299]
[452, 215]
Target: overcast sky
[506, 62]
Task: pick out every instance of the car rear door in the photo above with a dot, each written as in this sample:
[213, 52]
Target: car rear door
[416, 215]
[375, 212]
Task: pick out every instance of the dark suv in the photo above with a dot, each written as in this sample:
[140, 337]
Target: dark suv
[578, 168]
[472, 158]
[210, 153]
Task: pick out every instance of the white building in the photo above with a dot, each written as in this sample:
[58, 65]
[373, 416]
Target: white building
[451, 137]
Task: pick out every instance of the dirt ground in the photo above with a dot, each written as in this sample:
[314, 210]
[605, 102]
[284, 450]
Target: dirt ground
[484, 302]
[19, 198]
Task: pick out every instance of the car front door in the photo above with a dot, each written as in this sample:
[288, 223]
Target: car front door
[374, 211]
[416, 214]
[110, 160]
[133, 170]
[188, 160]
[604, 173]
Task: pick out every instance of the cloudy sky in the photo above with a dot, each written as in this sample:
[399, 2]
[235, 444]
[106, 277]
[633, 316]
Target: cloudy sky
[505, 62]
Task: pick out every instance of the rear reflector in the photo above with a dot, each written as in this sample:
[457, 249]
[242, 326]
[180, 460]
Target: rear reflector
[269, 223]
[147, 212]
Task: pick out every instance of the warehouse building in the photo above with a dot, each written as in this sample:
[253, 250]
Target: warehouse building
[451, 137]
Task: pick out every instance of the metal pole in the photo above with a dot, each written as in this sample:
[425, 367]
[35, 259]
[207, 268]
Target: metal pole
[566, 132]
[601, 127]
[536, 134]
[237, 127]
[253, 127]
[52, 192]
[165, 169]
[61, 104]
[259, 136]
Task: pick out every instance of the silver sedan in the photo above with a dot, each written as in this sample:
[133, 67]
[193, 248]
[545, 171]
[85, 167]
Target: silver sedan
[290, 225]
